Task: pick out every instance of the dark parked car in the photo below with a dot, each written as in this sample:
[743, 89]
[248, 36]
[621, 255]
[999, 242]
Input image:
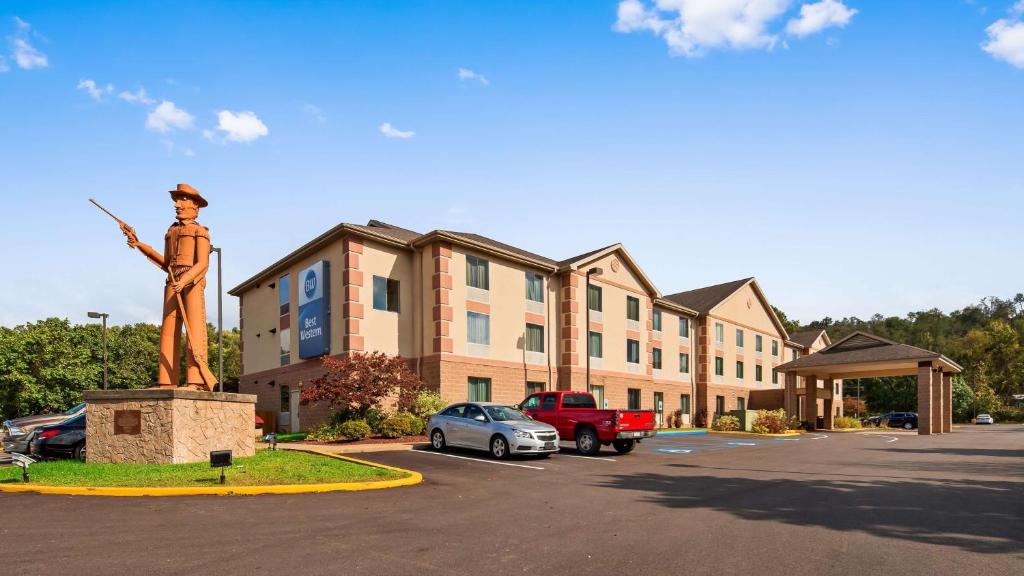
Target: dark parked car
[17, 433]
[905, 420]
[64, 440]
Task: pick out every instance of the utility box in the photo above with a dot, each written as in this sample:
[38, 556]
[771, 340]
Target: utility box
[746, 418]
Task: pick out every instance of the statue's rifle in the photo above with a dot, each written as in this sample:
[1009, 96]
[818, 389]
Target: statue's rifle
[208, 378]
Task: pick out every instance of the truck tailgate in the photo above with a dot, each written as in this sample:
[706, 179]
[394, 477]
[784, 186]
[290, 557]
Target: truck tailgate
[636, 419]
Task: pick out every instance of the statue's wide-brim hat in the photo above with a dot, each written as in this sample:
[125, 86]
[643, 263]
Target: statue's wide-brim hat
[186, 190]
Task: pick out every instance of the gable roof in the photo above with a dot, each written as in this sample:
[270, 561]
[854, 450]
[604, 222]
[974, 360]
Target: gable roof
[577, 262]
[807, 338]
[867, 348]
[490, 242]
[706, 299]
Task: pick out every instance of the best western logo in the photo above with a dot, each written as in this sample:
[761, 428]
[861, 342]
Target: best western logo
[309, 284]
[310, 329]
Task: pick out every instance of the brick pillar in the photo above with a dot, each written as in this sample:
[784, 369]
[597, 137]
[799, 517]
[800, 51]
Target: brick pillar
[704, 368]
[650, 338]
[790, 400]
[947, 401]
[924, 398]
[569, 328]
[811, 400]
[829, 403]
[352, 308]
[441, 284]
[937, 409]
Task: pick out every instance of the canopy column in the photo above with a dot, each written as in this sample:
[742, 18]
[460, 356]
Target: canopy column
[811, 401]
[791, 402]
[937, 397]
[829, 411]
[947, 401]
[924, 398]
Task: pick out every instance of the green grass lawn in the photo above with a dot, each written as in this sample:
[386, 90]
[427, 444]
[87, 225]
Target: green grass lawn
[265, 468]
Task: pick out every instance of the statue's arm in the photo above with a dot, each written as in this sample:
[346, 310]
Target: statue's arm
[148, 251]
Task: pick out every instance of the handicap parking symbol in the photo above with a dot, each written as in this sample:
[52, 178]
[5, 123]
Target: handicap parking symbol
[675, 450]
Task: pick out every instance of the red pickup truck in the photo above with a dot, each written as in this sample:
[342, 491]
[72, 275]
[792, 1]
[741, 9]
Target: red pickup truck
[575, 415]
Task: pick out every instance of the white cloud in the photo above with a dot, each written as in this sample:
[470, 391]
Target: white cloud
[467, 74]
[692, 28]
[1018, 8]
[26, 56]
[1006, 41]
[167, 117]
[189, 152]
[315, 112]
[21, 24]
[391, 132]
[138, 97]
[239, 126]
[818, 16]
[3, 65]
[97, 93]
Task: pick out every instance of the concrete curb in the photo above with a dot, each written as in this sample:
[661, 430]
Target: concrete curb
[786, 435]
[352, 448]
[410, 480]
[680, 433]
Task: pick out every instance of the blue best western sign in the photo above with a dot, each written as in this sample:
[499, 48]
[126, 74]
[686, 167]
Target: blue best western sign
[314, 309]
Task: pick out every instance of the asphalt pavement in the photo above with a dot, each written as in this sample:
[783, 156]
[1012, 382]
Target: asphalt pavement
[825, 503]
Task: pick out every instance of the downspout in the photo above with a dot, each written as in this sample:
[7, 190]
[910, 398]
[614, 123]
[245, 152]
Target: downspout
[552, 330]
[419, 307]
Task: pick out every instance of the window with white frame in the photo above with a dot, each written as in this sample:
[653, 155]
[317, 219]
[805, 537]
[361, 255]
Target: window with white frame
[478, 328]
[477, 272]
[534, 338]
[684, 327]
[719, 333]
[534, 287]
[632, 351]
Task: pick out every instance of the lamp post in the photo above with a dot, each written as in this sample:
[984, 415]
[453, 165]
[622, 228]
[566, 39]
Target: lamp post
[594, 272]
[104, 316]
[220, 326]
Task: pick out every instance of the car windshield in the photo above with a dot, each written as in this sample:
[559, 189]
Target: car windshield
[505, 413]
[73, 410]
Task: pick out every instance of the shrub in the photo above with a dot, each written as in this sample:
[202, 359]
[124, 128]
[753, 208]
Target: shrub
[1008, 414]
[354, 429]
[794, 423]
[770, 422]
[427, 404]
[401, 424]
[726, 424]
[325, 433]
[847, 422]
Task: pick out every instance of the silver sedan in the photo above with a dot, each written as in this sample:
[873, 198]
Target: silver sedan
[496, 428]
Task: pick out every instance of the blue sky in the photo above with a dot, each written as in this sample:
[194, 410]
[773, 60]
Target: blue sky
[856, 156]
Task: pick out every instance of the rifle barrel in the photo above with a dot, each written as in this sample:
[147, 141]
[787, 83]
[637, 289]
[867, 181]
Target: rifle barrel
[109, 213]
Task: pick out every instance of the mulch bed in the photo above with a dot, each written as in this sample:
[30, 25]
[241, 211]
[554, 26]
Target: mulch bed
[399, 440]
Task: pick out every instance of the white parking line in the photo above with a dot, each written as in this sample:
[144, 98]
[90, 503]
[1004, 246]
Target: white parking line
[820, 437]
[589, 457]
[477, 459]
[890, 440]
[743, 443]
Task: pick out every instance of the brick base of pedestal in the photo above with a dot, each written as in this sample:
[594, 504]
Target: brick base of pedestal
[167, 425]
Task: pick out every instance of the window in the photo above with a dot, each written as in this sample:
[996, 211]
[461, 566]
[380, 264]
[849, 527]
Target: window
[684, 403]
[533, 388]
[598, 392]
[775, 376]
[533, 402]
[684, 327]
[719, 404]
[758, 343]
[657, 320]
[596, 342]
[739, 338]
[739, 370]
[479, 389]
[475, 413]
[741, 403]
[795, 355]
[719, 333]
[633, 398]
[477, 274]
[775, 347]
[284, 335]
[534, 287]
[656, 358]
[549, 402]
[632, 351]
[632, 308]
[594, 298]
[836, 391]
[758, 373]
[719, 366]
[534, 338]
[385, 294]
[684, 363]
[283, 294]
[478, 328]
[286, 398]
[455, 411]
[578, 401]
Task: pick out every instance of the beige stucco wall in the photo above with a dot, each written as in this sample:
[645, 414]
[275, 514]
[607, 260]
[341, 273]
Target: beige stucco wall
[744, 310]
[615, 286]
[259, 313]
[388, 332]
[671, 342]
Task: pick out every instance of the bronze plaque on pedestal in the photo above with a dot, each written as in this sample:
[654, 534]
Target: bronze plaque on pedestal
[128, 422]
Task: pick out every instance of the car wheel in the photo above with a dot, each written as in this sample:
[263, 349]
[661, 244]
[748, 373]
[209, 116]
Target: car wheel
[499, 447]
[587, 442]
[80, 452]
[437, 440]
[624, 446]
[908, 426]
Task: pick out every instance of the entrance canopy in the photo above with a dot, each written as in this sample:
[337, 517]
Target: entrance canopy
[864, 355]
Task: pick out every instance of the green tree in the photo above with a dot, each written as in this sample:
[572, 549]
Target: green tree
[963, 400]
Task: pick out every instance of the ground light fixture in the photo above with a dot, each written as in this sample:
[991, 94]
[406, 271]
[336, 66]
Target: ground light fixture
[104, 316]
[22, 461]
[272, 439]
[220, 459]
[590, 272]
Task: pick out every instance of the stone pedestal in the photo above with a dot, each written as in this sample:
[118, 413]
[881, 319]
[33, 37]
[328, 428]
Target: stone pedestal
[167, 425]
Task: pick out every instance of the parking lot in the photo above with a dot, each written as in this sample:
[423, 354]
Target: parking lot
[821, 504]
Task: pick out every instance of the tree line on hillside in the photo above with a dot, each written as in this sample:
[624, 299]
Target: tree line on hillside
[986, 339]
[45, 366]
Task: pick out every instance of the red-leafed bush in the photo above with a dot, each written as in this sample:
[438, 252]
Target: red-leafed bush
[359, 382]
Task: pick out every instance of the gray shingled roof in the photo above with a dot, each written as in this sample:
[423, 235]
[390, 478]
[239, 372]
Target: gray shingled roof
[584, 256]
[862, 347]
[500, 246]
[704, 299]
[806, 338]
